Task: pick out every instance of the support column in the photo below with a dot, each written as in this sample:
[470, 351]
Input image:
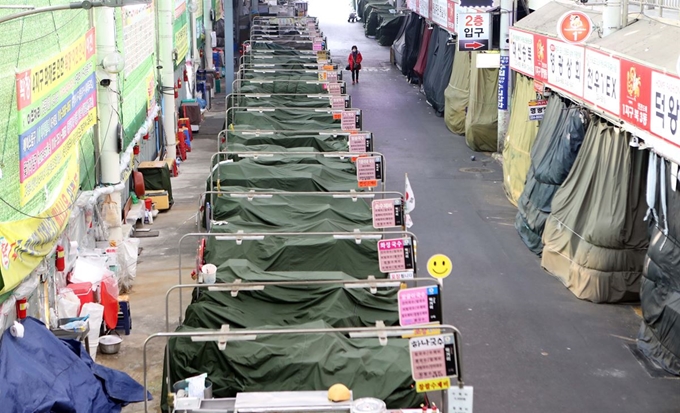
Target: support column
[208, 11]
[108, 104]
[505, 80]
[228, 45]
[166, 75]
[611, 18]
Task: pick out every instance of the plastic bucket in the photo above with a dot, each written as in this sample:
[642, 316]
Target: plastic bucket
[209, 272]
[182, 384]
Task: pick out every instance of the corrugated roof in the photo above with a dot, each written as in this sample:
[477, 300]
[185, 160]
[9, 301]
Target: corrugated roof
[649, 41]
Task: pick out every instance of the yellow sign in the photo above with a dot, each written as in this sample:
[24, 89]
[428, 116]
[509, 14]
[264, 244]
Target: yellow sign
[423, 386]
[181, 44]
[321, 56]
[439, 266]
[25, 243]
[419, 332]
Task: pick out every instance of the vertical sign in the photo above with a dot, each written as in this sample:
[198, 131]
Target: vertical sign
[636, 81]
[522, 52]
[387, 213]
[602, 81]
[451, 16]
[474, 31]
[417, 306]
[540, 58]
[395, 255]
[503, 83]
[565, 67]
[433, 357]
[665, 107]
[348, 120]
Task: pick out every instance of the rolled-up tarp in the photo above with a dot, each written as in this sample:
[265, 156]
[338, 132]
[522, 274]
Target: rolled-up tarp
[519, 140]
[481, 122]
[457, 93]
[595, 239]
[659, 337]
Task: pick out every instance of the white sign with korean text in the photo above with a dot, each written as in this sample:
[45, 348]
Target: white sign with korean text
[440, 12]
[357, 142]
[565, 67]
[424, 8]
[522, 52]
[602, 81]
[665, 107]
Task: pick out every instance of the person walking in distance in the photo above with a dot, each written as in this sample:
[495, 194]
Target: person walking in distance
[354, 64]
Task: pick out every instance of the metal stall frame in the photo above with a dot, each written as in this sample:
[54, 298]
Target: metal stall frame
[314, 65]
[358, 121]
[264, 56]
[320, 96]
[321, 132]
[252, 194]
[315, 71]
[254, 236]
[236, 84]
[255, 155]
[224, 335]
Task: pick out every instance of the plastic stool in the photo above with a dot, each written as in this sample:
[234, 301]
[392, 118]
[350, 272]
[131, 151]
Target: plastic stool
[124, 317]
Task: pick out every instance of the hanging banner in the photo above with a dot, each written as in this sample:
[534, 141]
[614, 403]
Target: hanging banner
[424, 8]
[138, 28]
[636, 81]
[665, 94]
[602, 81]
[440, 12]
[57, 102]
[25, 243]
[565, 67]
[503, 75]
[451, 16]
[522, 52]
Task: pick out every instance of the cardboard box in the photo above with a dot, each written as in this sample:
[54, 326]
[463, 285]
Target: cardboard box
[160, 198]
[153, 164]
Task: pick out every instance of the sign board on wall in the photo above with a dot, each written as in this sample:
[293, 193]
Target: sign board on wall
[635, 100]
[474, 31]
[602, 81]
[665, 107]
[424, 8]
[565, 67]
[537, 109]
[439, 12]
[574, 27]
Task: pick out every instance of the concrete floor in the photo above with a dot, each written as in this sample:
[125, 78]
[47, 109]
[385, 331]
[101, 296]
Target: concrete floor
[529, 344]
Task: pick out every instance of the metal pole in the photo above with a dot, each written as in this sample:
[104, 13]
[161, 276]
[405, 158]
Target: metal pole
[165, 9]
[228, 45]
[504, 84]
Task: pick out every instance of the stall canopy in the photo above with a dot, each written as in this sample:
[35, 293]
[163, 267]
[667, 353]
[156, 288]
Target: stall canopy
[595, 239]
[421, 62]
[519, 139]
[481, 122]
[318, 141]
[291, 362]
[280, 86]
[438, 70]
[400, 42]
[389, 27]
[284, 119]
[412, 41]
[457, 93]
[659, 336]
[557, 144]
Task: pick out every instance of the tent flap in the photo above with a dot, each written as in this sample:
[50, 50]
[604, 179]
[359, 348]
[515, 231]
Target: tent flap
[457, 93]
[595, 238]
[438, 70]
[481, 122]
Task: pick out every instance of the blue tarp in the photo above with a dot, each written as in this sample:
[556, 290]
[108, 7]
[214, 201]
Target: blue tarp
[41, 373]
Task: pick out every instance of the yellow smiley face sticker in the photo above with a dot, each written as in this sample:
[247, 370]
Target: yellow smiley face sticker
[439, 266]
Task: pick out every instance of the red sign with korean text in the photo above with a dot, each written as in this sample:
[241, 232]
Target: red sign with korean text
[635, 94]
[451, 16]
[540, 58]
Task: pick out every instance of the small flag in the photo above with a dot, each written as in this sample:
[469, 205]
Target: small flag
[410, 198]
[409, 223]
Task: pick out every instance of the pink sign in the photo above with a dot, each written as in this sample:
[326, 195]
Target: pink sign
[317, 46]
[429, 364]
[383, 213]
[433, 357]
[332, 75]
[334, 88]
[391, 255]
[366, 169]
[337, 102]
[349, 120]
[357, 143]
[413, 306]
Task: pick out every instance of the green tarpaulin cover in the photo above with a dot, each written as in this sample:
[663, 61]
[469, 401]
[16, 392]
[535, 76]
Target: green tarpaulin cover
[281, 100]
[481, 122]
[519, 139]
[291, 362]
[280, 86]
[290, 304]
[388, 28]
[284, 119]
[595, 238]
[291, 209]
[457, 93]
[289, 139]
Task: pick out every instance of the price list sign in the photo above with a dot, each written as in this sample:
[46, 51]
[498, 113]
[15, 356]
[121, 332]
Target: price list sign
[359, 142]
[522, 52]
[395, 255]
[337, 102]
[369, 170]
[537, 109]
[418, 306]
[334, 88]
[349, 120]
[387, 213]
[332, 76]
[433, 357]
